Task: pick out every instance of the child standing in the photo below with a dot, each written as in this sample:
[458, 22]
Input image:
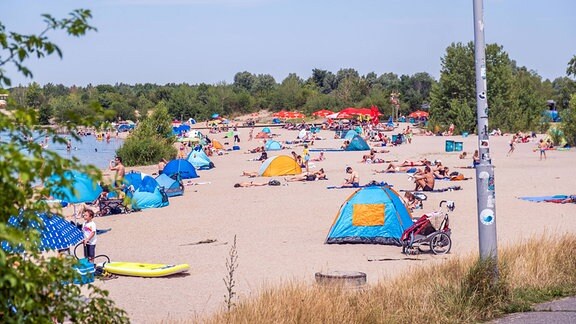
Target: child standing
[89, 231]
[543, 147]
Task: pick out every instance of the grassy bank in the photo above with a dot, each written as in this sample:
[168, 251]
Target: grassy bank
[459, 290]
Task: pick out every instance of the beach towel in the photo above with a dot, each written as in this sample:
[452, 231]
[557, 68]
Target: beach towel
[554, 199]
[370, 184]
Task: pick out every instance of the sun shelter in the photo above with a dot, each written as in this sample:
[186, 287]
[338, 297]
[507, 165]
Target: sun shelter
[180, 169]
[200, 160]
[266, 130]
[82, 187]
[357, 144]
[217, 145]
[145, 192]
[272, 145]
[171, 187]
[280, 165]
[350, 134]
[371, 215]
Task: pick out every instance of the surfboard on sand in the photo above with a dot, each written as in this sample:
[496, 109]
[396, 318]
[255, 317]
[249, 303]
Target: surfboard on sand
[137, 269]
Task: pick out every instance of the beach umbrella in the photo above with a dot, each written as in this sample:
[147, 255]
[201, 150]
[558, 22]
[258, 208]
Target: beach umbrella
[344, 114]
[418, 114]
[215, 116]
[322, 113]
[82, 189]
[55, 232]
[294, 115]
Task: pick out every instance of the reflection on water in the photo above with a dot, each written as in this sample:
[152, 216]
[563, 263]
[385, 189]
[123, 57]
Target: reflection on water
[89, 150]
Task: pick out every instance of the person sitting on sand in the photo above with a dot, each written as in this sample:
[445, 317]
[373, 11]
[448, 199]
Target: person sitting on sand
[462, 156]
[425, 181]
[411, 202]
[320, 157]
[353, 179]
[250, 184]
[256, 150]
[475, 158]
[263, 156]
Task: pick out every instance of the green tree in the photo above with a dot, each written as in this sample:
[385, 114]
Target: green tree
[151, 140]
[569, 122]
[571, 69]
[33, 288]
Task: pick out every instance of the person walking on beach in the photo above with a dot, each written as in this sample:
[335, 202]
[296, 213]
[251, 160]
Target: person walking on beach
[542, 146]
[236, 134]
[251, 134]
[116, 165]
[512, 145]
[89, 232]
[306, 153]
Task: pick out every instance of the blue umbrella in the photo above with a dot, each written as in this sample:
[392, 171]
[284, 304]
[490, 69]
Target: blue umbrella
[215, 115]
[55, 232]
[84, 188]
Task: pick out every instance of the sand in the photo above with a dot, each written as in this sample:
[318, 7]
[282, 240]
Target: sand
[280, 231]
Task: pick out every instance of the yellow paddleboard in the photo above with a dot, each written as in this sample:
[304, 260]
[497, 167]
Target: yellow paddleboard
[144, 269]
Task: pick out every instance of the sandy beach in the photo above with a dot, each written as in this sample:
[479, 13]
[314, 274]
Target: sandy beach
[281, 230]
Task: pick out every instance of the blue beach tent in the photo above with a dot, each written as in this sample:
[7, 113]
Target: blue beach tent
[145, 191]
[350, 134]
[357, 144]
[266, 130]
[272, 145]
[82, 188]
[200, 160]
[371, 215]
[171, 187]
[180, 169]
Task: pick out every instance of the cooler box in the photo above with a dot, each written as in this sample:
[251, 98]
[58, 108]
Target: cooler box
[235, 148]
[458, 146]
[86, 270]
[449, 146]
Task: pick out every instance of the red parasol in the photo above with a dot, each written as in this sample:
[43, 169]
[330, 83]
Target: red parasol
[418, 114]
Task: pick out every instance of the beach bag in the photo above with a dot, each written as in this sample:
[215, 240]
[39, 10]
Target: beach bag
[273, 182]
[457, 178]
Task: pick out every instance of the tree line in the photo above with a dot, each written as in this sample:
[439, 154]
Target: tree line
[517, 96]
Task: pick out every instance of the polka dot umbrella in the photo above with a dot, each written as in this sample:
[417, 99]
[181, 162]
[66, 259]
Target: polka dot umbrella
[55, 232]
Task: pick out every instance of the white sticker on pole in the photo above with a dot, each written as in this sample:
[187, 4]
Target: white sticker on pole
[487, 217]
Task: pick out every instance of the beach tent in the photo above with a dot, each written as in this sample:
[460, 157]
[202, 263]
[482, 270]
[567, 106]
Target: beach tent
[371, 215]
[171, 187]
[82, 187]
[217, 145]
[145, 192]
[180, 169]
[124, 127]
[272, 145]
[350, 134]
[357, 144]
[266, 130]
[200, 160]
[280, 165]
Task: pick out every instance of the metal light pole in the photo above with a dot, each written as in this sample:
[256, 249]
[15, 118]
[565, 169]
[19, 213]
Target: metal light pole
[485, 170]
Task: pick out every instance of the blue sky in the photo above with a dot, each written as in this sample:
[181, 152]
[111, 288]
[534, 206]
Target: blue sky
[195, 41]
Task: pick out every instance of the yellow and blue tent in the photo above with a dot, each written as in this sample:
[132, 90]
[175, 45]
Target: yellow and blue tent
[371, 215]
[279, 166]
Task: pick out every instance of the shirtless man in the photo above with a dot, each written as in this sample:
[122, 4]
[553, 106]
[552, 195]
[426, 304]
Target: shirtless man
[116, 165]
[353, 179]
[250, 184]
[425, 181]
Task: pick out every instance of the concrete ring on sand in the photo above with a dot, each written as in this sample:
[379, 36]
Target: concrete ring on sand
[341, 278]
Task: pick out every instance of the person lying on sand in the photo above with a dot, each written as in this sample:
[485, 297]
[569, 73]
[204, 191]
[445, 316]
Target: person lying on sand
[397, 168]
[320, 157]
[250, 184]
[318, 175]
[250, 174]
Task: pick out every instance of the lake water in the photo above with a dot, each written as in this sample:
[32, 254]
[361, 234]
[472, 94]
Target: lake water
[90, 150]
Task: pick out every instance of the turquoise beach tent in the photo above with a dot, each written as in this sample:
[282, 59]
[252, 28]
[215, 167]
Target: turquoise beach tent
[145, 191]
[200, 160]
[83, 187]
[350, 134]
[181, 169]
[272, 145]
[266, 130]
[371, 215]
[357, 144]
[171, 187]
